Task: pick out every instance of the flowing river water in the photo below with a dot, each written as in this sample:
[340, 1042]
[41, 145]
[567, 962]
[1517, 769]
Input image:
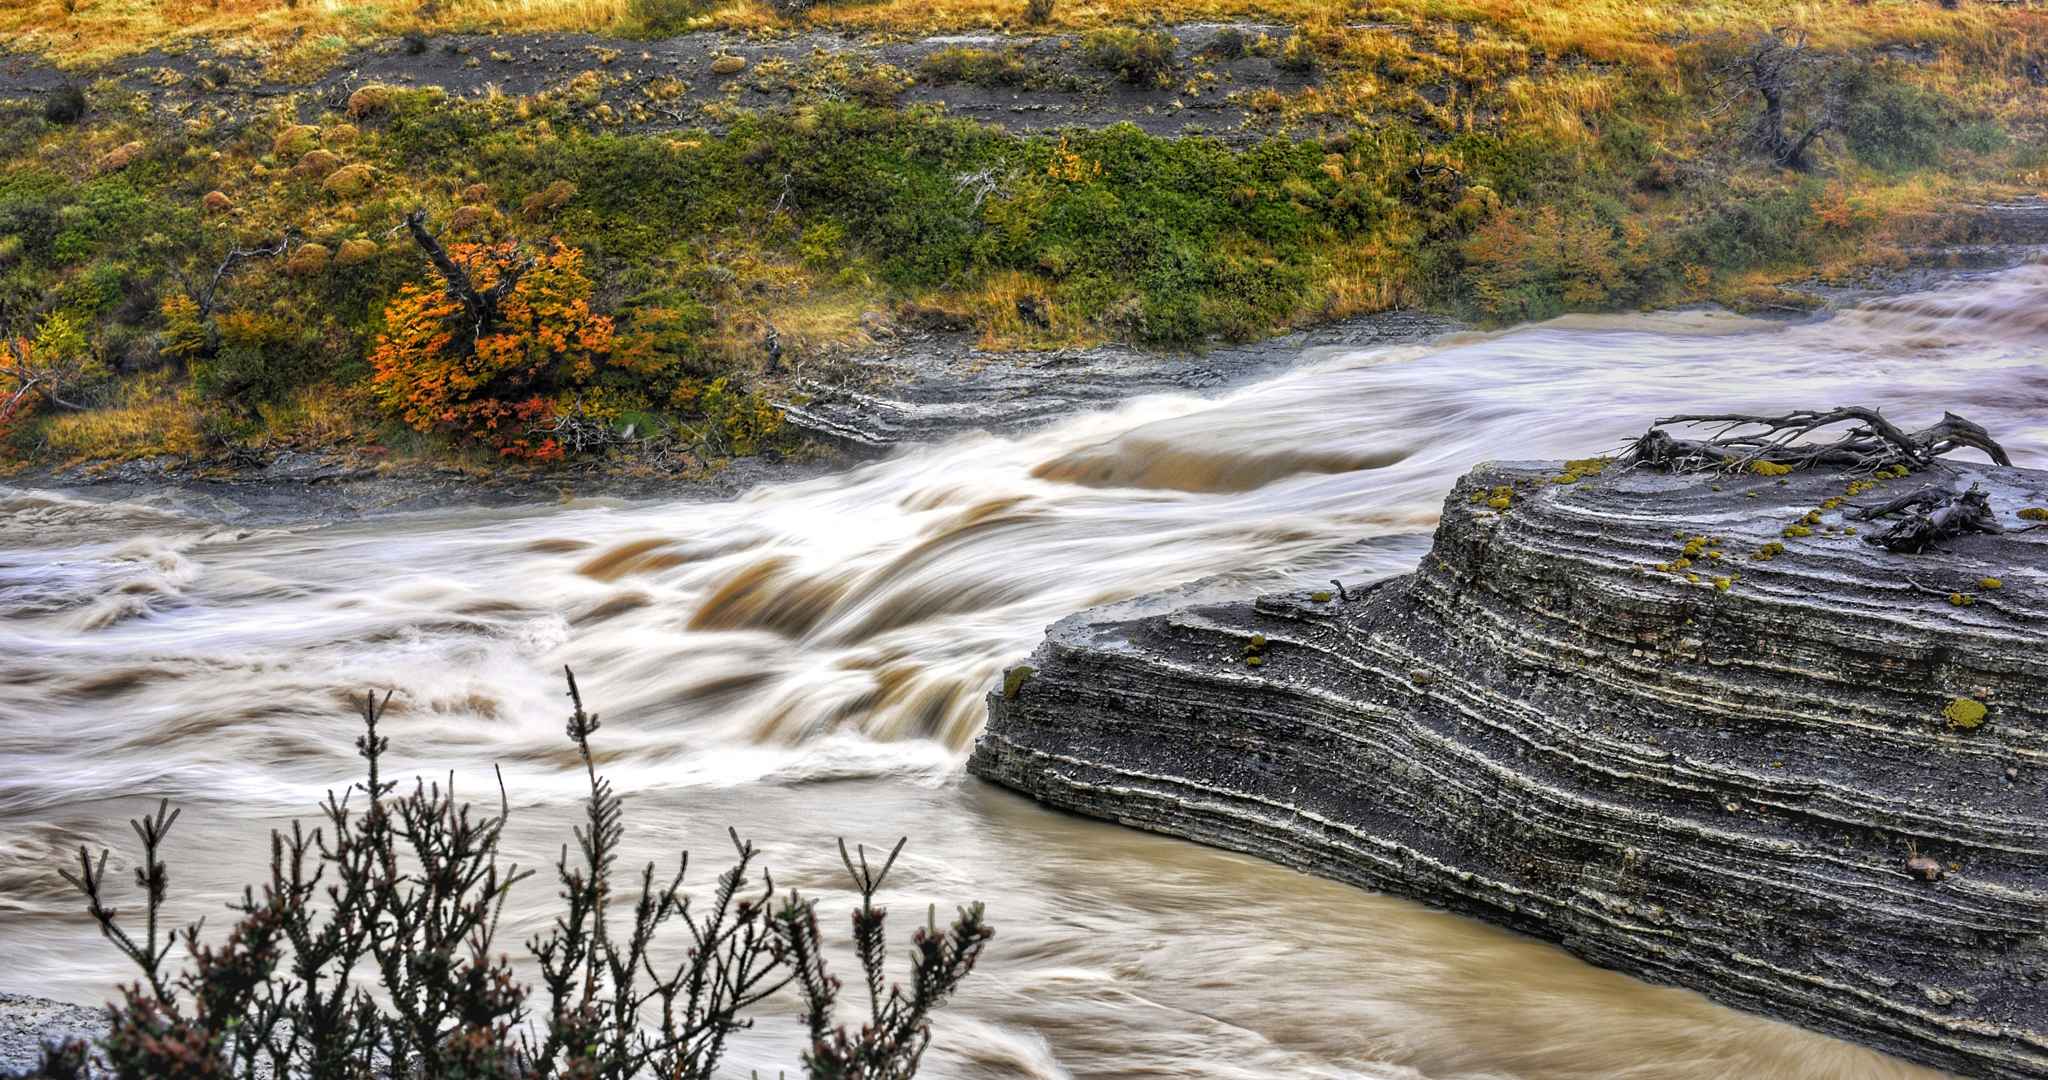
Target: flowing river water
[809, 661]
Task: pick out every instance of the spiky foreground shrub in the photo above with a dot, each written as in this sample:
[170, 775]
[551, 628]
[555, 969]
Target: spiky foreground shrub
[368, 955]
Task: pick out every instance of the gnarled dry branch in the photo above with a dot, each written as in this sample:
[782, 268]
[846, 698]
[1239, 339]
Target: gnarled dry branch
[1742, 440]
[1934, 516]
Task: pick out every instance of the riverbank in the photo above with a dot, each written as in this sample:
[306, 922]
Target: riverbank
[927, 388]
[210, 249]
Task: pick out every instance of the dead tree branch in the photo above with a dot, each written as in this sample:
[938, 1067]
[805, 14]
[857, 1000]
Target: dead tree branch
[205, 298]
[1743, 440]
[1933, 517]
[1781, 72]
[481, 304]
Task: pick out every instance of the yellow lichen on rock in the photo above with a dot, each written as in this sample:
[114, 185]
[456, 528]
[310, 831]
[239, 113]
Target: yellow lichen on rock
[120, 157]
[1965, 713]
[552, 197]
[316, 164]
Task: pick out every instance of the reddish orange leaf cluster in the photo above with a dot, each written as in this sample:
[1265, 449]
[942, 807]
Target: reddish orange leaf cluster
[434, 371]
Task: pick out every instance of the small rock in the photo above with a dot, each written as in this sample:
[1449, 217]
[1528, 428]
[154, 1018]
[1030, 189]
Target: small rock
[308, 259]
[316, 164]
[371, 99]
[1422, 676]
[121, 156]
[466, 218]
[350, 181]
[355, 252]
[295, 140]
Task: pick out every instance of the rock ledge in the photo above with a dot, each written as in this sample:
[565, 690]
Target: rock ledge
[1735, 774]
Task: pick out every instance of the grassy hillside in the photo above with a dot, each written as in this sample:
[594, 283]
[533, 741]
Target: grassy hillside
[1502, 161]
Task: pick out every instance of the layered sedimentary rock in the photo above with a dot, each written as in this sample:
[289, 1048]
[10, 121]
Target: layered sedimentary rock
[1688, 726]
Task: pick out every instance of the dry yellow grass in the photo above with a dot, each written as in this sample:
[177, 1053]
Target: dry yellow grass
[1616, 30]
[149, 420]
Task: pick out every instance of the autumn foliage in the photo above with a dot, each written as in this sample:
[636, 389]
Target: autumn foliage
[437, 368]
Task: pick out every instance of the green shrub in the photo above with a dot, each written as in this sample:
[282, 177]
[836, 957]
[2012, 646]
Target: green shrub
[1298, 55]
[1894, 127]
[1754, 228]
[664, 17]
[65, 105]
[1138, 57]
[258, 358]
[983, 67]
[1230, 43]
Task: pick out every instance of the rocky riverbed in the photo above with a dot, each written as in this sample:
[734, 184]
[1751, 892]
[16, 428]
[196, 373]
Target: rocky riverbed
[1688, 726]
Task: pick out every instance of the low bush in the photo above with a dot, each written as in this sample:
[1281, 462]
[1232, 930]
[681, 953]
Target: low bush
[1895, 127]
[368, 954]
[660, 18]
[65, 105]
[494, 357]
[984, 67]
[1138, 57]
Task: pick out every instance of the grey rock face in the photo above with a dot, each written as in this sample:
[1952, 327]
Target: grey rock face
[27, 1023]
[1736, 774]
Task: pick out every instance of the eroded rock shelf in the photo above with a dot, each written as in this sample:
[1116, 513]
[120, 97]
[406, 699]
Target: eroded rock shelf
[1736, 773]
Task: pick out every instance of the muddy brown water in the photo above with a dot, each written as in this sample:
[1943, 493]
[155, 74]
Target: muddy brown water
[808, 661]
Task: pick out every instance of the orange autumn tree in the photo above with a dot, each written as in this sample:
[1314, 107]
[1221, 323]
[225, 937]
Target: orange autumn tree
[498, 349]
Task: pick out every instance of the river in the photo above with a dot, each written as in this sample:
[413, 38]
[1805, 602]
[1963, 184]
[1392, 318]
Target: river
[808, 661]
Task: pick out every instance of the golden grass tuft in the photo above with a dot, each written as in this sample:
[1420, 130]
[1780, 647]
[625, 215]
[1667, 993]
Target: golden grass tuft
[148, 421]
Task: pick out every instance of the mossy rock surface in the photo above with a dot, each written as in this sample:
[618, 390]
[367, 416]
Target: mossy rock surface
[308, 259]
[355, 252]
[350, 181]
[316, 164]
[294, 141]
[372, 100]
[122, 156]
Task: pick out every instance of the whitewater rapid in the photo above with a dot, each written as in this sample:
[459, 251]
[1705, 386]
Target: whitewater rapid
[809, 661]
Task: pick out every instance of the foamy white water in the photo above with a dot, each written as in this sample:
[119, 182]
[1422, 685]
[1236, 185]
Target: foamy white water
[809, 661]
